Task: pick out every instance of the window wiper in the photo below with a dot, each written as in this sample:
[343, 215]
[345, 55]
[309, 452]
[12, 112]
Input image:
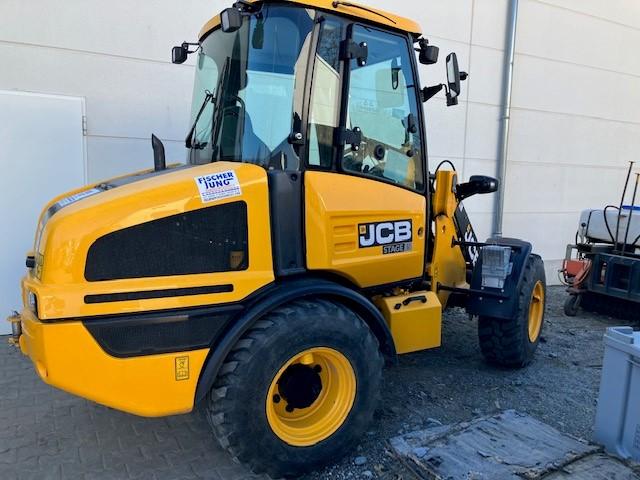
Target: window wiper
[218, 107]
[189, 139]
[337, 3]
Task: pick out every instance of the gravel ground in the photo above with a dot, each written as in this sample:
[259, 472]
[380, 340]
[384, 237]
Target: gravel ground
[47, 433]
[453, 384]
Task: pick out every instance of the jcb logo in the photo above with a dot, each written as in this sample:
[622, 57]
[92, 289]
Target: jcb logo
[384, 233]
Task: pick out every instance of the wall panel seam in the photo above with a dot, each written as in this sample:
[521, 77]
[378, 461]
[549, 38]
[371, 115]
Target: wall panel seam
[92, 53]
[586, 14]
[577, 64]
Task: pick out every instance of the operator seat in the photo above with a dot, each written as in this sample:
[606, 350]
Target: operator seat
[238, 140]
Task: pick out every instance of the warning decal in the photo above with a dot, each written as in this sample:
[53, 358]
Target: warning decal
[218, 185]
[182, 368]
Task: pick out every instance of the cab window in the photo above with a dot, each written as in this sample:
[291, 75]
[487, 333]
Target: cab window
[382, 104]
[324, 111]
[246, 100]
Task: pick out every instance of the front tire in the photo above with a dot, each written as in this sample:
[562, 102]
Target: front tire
[298, 390]
[513, 342]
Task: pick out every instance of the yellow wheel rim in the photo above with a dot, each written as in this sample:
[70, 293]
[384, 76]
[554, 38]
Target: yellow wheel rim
[536, 311]
[311, 396]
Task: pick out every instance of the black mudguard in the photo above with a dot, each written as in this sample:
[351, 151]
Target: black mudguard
[279, 294]
[500, 303]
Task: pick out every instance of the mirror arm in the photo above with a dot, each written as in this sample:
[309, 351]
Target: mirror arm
[429, 92]
[186, 45]
[451, 101]
[245, 6]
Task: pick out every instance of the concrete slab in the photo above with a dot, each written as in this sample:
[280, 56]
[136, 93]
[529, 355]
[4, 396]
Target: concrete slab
[506, 446]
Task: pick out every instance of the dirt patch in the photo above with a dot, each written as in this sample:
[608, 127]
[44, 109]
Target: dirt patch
[453, 384]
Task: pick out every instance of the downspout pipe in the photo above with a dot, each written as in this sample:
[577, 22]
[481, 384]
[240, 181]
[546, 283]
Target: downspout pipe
[505, 113]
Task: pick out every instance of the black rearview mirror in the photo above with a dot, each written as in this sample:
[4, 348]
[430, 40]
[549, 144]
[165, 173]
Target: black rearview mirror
[257, 39]
[453, 79]
[395, 74]
[476, 184]
[179, 54]
[230, 19]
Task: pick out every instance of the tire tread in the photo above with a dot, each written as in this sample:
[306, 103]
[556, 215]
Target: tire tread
[503, 342]
[219, 403]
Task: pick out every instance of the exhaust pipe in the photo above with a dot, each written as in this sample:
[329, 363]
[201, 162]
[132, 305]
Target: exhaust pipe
[159, 162]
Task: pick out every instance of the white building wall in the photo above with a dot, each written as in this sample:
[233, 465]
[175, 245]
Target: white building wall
[575, 116]
[467, 134]
[116, 54]
[576, 99]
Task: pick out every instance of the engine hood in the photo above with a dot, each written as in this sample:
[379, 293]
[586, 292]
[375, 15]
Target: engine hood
[72, 223]
[71, 197]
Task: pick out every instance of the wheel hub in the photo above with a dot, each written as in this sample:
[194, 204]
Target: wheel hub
[311, 396]
[536, 311]
[300, 385]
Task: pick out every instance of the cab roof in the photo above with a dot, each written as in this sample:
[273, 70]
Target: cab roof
[346, 8]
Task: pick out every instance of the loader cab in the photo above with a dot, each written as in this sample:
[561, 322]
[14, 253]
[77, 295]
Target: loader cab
[291, 88]
[336, 98]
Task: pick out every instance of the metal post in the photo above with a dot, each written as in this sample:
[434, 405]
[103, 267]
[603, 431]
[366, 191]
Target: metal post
[505, 113]
[624, 193]
[633, 204]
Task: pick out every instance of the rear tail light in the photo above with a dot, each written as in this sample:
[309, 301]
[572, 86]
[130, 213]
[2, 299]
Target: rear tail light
[32, 301]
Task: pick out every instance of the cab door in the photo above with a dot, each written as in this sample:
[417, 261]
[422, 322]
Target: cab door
[365, 198]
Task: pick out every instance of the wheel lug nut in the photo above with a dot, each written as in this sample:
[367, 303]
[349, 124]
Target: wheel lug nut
[276, 398]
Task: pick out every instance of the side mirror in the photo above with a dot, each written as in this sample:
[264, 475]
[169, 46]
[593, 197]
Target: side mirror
[453, 79]
[230, 19]
[476, 184]
[179, 54]
[428, 53]
[257, 39]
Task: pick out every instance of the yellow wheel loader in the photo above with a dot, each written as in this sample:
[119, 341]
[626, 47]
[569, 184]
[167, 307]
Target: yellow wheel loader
[303, 243]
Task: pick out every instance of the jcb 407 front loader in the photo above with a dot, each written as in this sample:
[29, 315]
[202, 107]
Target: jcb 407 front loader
[303, 242]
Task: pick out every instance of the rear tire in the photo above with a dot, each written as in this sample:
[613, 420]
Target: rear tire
[513, 342]
[267, 407]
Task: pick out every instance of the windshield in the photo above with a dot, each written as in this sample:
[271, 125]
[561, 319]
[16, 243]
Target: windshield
[244, 97]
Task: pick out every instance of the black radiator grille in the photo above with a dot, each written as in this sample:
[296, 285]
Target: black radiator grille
[148, 337]
[213, 239]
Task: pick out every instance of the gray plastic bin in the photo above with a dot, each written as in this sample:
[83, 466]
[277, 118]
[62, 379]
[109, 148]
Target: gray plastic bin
[618, 416]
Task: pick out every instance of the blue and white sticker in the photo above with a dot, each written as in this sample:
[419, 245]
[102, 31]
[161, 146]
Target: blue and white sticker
[217, 186]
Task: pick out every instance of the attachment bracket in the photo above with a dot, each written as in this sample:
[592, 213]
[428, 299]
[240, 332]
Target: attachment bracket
[349, 137]
[350, 50]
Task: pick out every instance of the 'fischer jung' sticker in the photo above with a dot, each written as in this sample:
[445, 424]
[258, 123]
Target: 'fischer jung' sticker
[218, 185]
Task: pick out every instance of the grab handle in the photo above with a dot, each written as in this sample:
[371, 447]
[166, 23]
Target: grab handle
[407, 301]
